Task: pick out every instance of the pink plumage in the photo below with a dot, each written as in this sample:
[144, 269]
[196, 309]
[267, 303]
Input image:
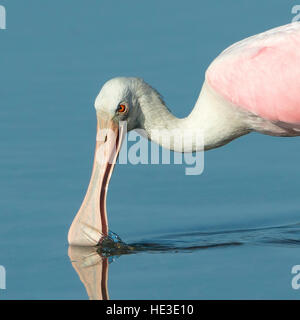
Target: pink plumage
[261, 74]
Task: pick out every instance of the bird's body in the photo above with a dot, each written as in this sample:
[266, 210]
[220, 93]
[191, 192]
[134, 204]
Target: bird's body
[261, 75]
[254, 85]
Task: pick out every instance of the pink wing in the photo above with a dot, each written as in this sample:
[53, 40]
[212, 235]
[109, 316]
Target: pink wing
[262, 74]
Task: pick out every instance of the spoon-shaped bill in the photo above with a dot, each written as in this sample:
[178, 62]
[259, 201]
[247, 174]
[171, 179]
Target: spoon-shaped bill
[90, 225]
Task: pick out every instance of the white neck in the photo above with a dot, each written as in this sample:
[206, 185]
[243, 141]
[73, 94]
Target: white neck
[212, 123]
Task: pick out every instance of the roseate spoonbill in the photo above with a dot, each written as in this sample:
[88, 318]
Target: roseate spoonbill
[254, 85]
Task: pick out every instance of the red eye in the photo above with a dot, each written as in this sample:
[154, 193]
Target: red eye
[121, 108]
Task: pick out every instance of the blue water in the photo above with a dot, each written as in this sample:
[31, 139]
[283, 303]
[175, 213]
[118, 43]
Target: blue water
[232, 232]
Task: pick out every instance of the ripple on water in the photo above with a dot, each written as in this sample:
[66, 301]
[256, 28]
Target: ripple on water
[285, 235]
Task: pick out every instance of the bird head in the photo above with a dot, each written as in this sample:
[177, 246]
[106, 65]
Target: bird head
[117, 103]
[120, 107]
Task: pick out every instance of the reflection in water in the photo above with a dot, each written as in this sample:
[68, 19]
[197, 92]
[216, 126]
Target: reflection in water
[92, 270]
[91, 263]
